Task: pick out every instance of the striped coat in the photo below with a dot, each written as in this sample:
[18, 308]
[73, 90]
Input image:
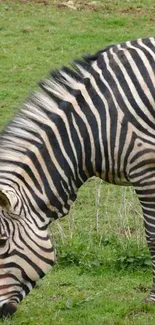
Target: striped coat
[96, 118]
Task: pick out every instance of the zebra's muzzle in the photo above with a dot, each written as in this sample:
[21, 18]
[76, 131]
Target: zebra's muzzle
[7, 310]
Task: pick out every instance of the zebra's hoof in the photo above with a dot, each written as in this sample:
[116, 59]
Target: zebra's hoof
[149, 300]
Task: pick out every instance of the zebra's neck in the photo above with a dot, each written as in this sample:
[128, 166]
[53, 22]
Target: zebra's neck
[71, 131]
[46, 160]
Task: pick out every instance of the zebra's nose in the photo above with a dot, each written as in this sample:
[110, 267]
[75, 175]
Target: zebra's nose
[7, 310]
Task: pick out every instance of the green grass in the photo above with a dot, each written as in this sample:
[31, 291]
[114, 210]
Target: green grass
[104, 265]
[36, 38]
[107, 298]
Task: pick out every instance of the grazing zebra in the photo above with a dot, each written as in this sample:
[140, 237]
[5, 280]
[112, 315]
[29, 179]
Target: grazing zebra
[96, 118]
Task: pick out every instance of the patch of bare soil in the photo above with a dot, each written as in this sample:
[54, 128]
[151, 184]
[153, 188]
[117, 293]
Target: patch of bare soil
[132, 10]
[70, 4]
[79, 5]
[43, 2]
[99, 6]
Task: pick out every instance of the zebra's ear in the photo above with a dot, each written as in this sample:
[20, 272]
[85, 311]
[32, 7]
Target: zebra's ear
[10, 201]
[4, 200]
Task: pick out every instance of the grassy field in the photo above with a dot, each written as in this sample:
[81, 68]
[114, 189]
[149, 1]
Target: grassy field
[104, 267]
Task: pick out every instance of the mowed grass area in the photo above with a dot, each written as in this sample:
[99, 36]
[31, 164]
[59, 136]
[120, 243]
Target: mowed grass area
[103, 270]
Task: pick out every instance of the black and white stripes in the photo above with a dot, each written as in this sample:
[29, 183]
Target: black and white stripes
[96, 118]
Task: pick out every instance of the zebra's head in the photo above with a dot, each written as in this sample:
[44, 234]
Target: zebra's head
[26, 252]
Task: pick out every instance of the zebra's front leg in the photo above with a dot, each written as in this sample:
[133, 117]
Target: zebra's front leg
[144, 184]
[151, 243]
[148, 207]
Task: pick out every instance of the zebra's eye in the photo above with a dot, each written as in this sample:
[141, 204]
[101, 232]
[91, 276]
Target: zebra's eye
[3, 241]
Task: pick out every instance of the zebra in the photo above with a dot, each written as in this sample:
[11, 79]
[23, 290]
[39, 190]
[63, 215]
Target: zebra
[94, 118]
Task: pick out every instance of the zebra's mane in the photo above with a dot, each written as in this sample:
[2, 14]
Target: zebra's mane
[60, 85]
